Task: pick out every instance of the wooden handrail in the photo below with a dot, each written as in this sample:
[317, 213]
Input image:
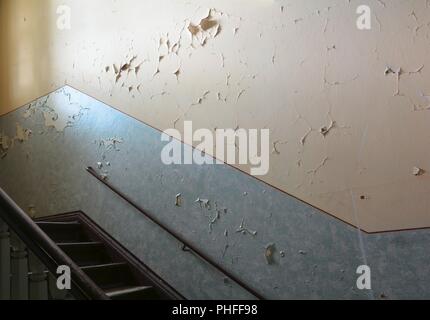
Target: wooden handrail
[186, 245]
[46, 250]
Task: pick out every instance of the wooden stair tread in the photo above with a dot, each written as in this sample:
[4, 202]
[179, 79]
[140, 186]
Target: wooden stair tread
[99, 266]
[132, 293]
[58, 223]
[80, 244]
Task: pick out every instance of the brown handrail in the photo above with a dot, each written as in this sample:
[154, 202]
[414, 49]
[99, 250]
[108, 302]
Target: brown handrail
[46, 250]
[186, 245]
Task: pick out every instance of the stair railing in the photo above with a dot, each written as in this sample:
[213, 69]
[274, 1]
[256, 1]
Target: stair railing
[186, 245]
[82, 287]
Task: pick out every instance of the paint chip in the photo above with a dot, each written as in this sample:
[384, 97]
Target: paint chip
[32, 211]
[177, 73]
[22, 134]
[115, 68]
[326, 130]
[111, 143]
[417, 171]
[207, 28]
[244, 230]
[214, 220]
[204, 203]
[4, 142]
[269, 253]
[178, 201]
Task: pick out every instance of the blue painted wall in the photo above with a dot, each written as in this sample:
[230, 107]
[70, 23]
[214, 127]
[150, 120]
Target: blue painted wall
[316, 255]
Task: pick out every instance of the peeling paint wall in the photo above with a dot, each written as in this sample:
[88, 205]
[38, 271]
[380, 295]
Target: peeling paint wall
[348, 109]
[275, 243]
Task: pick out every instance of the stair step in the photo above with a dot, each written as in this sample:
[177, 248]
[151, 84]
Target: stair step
[133, 293]
[86, 253]
[80, 244]
[112, 275]
[63, 231]
[109, 265]
[59, 223]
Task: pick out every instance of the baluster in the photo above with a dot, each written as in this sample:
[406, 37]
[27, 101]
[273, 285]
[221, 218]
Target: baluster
[19, 268]
[4, 261]
[38, 279]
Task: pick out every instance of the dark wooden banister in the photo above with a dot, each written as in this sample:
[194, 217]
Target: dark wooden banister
[46, 250]
[187, 246]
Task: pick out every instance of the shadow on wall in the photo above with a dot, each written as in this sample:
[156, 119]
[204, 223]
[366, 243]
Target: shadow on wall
[22, 69]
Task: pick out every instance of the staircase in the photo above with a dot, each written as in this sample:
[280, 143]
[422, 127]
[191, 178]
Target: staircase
[113, 271]
[119, 274]
[31, 253]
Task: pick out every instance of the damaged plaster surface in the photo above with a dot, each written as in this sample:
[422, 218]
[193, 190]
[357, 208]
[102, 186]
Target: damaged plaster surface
[59, 110]
[8, 142]
[273, 242]
[228, 64]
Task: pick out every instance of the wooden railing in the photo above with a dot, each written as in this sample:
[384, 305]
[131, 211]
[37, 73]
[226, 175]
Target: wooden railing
[39, 244]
